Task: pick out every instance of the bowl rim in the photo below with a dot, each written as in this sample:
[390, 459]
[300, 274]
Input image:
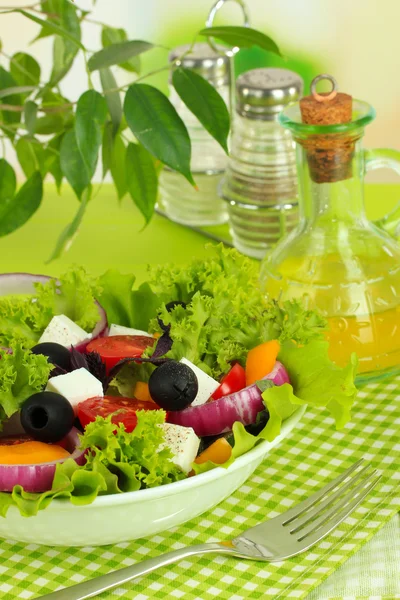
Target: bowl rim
[171, 489]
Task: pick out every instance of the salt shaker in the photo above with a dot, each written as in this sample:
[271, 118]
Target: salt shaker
[178, 199]
[260, 183]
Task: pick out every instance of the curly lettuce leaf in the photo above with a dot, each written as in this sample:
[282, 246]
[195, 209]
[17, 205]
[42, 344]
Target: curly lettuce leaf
[21, 375]
[226, 313]
[24, 318]
[124, 305]
[71, 295]
[117, 462]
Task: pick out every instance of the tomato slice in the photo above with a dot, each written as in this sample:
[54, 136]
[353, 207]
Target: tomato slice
[232, 382]
[102, 407]
[112, 349]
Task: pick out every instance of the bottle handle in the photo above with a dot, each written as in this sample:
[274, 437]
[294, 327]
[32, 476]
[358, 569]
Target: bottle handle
[385, 158]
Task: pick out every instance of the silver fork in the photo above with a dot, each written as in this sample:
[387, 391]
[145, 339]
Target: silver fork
[282, 537]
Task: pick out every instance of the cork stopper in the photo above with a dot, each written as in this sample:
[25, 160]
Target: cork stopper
[329, 156]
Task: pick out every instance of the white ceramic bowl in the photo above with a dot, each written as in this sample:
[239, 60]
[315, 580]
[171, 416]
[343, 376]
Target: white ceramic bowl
[124, 517]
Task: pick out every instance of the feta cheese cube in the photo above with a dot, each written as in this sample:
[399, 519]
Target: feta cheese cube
[76, 386]
[121, 330]
[183, 443]
[207, 385]
[61, 330]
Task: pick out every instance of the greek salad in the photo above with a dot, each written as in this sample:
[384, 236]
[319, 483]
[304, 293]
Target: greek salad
[108, 387]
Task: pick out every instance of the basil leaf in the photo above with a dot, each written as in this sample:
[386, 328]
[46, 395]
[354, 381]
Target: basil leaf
[23, 206]
[203, 100]
[142, 179]
[155, 123]
[72, 164]
[113, 99]
[117, 53]
[91, 115]
[242, 37]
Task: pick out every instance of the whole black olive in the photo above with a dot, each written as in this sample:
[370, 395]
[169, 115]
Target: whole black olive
[47, 417]
[56, 353]
[171, 305]
[173, 385]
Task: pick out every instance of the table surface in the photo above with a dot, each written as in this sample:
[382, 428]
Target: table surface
[111, 237]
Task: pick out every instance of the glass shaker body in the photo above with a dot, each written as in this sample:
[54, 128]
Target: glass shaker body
[180, 201]
[260, 184]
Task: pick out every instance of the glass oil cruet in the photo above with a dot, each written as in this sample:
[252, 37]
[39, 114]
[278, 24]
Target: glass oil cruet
[335, 260]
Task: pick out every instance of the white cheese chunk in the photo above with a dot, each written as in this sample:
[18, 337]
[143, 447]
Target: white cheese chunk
[121, 330]
[76, 386]
[61, 330]
[207, 385]
[183, 443]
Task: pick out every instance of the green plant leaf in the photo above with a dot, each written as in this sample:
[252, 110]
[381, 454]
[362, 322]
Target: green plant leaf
[203, 100]
[30, 155]
[112, 35]
[30, 115]
[113, 99]
[52, 158]
[67, 236]
[25, 69]
[91, 115]
[9, 118]
[72, 164]
[49, 124]
[8, 184]
[114, 156]
[142, 179]
[158, 127]
[50, 28]
[16, 90]
[62, 60]
[243, 37]
[116, 54]
[23, 206]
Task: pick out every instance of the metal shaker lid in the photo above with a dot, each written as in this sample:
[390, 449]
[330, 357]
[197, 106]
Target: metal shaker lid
[204, 61]
[263, 93]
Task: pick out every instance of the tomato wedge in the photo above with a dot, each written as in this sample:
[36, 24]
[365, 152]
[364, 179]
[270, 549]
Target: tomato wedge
[232, 382]
[112, 349]
[102, 407]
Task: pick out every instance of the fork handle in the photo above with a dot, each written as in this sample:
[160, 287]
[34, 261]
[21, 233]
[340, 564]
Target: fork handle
[88, 589]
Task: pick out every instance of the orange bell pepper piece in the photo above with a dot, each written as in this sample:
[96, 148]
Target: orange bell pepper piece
[141, 392]
[219, 452]
[261, 360]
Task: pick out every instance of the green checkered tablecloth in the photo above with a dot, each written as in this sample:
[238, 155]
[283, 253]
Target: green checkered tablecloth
[314, 453]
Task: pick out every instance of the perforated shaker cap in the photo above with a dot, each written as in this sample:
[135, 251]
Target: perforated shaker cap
[263, 93]
[205, 62]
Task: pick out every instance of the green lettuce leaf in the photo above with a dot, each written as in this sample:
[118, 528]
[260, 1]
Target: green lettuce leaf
[124, 305]
[226, 314]
[24, 318]
[21, 375]
[125, 381]
[117, 462]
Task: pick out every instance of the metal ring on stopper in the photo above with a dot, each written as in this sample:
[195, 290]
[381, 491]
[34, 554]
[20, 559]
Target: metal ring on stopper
[210, 20]
[326, 97]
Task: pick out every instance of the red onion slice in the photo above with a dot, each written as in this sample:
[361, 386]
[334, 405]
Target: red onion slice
[39, 478]
[23, 283]
[219, 415]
